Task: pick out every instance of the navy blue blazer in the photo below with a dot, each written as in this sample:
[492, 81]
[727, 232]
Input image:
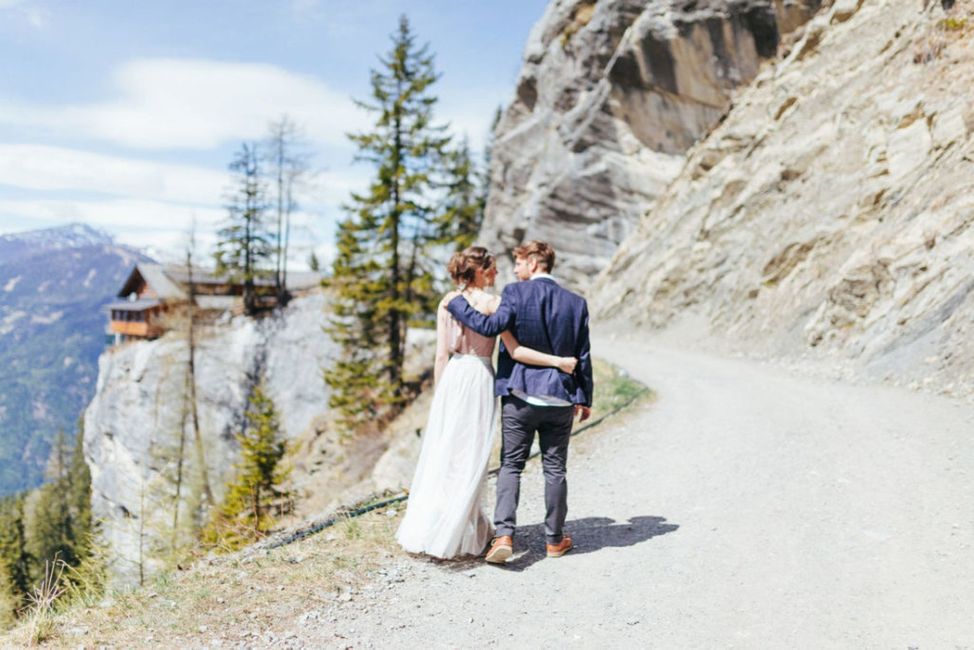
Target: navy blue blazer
[548, 318]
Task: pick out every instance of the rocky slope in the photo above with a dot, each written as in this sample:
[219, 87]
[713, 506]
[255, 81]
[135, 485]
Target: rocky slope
[53, 285]
[133, 425]
[831, 211]
[610, 97]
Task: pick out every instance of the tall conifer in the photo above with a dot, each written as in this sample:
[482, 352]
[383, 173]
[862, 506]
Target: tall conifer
[49, 534]
[244, 243]
[380, 275]
[79, 498]
[15, 562]
[463, 212]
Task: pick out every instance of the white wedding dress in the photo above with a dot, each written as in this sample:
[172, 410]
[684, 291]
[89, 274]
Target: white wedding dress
[444, 515]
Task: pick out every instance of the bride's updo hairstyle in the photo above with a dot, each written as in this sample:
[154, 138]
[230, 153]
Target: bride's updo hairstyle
[464, 264]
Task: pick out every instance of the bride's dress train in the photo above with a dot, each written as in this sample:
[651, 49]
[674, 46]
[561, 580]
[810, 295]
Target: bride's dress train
[444, 515]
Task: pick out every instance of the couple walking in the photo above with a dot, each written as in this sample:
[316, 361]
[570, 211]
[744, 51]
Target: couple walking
[544, 378]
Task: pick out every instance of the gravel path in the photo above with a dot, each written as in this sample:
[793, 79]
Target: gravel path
[746, 508]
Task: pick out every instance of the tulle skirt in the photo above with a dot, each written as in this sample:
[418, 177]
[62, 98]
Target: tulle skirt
[444, 515]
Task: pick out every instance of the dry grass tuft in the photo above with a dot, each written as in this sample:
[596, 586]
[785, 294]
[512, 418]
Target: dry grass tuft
[39, 615]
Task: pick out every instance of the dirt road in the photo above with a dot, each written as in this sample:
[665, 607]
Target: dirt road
[745, 508]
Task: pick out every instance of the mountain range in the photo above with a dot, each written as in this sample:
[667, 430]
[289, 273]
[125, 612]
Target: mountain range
[54, 285]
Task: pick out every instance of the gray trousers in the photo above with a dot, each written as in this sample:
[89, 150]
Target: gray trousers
[553, 424]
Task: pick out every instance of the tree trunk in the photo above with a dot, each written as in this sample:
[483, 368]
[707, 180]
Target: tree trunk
[278, 277]
[193, 401]
[395, 315]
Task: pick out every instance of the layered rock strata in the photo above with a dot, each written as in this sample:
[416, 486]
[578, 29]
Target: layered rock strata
[610, 97]
[831, 212]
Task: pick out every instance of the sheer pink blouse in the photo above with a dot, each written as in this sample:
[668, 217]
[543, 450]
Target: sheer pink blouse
[454, 338]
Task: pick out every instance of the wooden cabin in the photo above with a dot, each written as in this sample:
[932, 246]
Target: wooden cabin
[151, 291]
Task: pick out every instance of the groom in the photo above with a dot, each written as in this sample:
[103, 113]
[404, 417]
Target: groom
[544, 316]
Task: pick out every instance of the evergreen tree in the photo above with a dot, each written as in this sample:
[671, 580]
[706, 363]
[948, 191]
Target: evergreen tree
[358, 385]
[463, 212]
[60, 526]
[49, 533]
[79, 498]
[15, 562]
[379, 276]
[9, 602]
[259, 474]
[244, 244]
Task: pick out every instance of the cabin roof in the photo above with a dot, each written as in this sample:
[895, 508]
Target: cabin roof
[133, 305]
[170, 281]
[156, 277]
[216, 302]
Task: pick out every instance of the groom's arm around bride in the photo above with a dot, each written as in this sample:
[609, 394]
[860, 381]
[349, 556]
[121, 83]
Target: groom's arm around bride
[547, 317]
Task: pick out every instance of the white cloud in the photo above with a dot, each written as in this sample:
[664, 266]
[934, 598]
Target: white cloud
[132, 216]
[199, 104]
[158, 227]
[6, 4]
[41, 167]
[149, 204]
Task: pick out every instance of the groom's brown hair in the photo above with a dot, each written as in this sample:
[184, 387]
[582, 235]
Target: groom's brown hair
[537, 250]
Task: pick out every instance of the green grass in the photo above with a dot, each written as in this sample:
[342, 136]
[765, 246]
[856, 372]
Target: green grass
[614, 388]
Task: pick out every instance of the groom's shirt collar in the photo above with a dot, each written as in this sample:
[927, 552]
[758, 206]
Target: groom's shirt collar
[543, 276]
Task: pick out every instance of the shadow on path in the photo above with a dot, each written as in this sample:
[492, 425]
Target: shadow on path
[589, 535]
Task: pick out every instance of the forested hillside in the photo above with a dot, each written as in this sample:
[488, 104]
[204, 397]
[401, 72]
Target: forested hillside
[53, 285]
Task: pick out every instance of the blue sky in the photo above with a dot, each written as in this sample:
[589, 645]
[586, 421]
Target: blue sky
[124, 115]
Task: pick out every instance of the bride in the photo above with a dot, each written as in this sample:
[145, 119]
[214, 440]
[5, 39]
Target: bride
[444, 517]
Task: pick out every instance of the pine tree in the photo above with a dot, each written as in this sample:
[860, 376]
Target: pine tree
[358, 385]
[244, 244]
[9, 602]
[60, 526]
[463, 211]
[245, 512]
[79, 499]
[380, 276]
[15, 562]
[49, 533]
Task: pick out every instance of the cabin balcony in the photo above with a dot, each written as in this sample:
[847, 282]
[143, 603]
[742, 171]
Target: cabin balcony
[135, 329]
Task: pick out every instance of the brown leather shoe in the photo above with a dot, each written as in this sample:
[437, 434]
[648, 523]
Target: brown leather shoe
[501, 548]
[559, 549]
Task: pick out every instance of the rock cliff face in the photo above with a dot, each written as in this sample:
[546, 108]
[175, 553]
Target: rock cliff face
[831, 212]
[133, 425]
[610, 97]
